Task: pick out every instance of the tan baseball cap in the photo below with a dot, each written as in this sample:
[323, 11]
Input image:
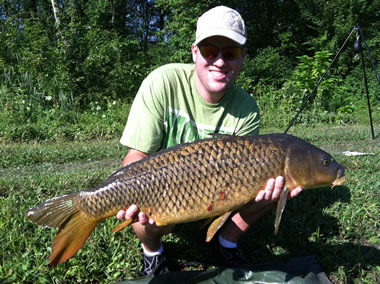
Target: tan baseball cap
[221, 21]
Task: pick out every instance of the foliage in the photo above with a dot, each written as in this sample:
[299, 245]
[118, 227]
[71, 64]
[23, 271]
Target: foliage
[305, 77]
[59, 64]
[180, 26]
[42, 116]
[267, 67]
[334, 101]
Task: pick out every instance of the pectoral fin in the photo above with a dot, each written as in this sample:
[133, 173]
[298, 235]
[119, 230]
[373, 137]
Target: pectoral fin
[122, 225]
[216, 225]
[280, 208]
[208, 221]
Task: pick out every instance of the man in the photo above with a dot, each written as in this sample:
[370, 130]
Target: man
[180, 103]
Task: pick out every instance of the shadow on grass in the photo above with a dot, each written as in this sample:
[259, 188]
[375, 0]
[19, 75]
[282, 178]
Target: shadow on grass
[306, 229]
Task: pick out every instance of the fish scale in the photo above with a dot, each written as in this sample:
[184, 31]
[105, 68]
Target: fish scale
[202, 179]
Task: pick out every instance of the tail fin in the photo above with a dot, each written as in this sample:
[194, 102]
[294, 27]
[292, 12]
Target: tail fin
[75, 226]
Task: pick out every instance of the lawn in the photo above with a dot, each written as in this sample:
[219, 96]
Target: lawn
[340, 226]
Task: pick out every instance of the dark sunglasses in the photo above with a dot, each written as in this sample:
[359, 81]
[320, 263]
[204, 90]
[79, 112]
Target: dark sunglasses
[229, 53]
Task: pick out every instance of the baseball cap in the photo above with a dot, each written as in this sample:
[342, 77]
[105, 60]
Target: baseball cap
[221, 21]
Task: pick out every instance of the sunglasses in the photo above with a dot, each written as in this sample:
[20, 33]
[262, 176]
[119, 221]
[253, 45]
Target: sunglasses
[229, 53]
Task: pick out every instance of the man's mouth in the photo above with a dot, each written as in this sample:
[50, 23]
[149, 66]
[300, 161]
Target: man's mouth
[218, 74]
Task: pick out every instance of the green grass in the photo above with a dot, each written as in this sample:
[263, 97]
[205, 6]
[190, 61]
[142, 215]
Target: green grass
[339, 226]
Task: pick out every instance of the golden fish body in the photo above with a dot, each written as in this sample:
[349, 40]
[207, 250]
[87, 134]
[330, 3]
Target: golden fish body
[188, 182]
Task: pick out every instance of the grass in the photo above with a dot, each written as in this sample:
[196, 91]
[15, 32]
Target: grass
[339, 226]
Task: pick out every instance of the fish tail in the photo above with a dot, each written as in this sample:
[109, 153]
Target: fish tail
[71, 237]
[75, 225]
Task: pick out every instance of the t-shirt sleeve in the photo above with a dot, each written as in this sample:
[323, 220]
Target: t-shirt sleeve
[144, 128]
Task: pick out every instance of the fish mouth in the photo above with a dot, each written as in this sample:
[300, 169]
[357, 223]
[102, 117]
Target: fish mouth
[340, 178]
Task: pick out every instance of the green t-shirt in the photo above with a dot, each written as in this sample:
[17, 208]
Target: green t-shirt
[168, 110]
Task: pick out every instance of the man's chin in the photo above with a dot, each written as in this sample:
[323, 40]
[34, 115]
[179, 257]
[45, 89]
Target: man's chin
[218, 87]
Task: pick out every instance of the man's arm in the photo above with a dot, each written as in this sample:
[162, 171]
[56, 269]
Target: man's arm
[133, 156]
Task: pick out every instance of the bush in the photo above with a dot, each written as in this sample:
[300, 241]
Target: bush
[24, 119]
[266, 68]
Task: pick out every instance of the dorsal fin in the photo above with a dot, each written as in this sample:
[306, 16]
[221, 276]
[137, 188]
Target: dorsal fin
[221, 135]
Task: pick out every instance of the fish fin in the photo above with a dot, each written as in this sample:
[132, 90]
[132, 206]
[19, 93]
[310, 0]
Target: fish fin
[75, 226]
[160, 222]
[220, 135]
[216, 225]
[122, 225]
[71, 237]
[55, 212]
[280, 208]
[208, 221]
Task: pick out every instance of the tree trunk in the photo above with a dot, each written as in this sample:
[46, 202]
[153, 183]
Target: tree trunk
[55, 12]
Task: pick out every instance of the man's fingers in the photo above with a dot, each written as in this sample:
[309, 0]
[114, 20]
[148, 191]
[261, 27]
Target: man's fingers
[120, 214]
[272, 190]
[278, 186]
[260, 196]
[295, 192]
[143, 219]
[269, 189]
[131, 211]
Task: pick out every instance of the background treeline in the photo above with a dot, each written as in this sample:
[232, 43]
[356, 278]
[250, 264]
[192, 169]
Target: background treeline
[70, 69]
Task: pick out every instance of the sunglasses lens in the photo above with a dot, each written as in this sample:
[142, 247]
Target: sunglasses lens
[208, 51]
[231, 53]
[211, 52]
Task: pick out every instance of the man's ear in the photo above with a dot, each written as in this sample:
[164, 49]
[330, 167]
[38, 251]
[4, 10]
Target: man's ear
[245, 51]
[194, 51]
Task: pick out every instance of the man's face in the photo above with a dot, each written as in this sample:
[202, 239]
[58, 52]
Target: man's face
[214, 76]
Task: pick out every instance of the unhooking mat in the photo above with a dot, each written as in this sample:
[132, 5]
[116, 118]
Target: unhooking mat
[304, 270]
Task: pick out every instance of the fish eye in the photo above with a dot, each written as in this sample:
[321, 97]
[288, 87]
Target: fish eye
[326, 161]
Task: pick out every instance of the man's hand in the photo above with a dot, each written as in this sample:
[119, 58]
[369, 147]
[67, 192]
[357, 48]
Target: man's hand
[131, 212]
[273, 190]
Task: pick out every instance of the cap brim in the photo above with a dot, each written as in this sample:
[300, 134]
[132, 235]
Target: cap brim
[240, 39]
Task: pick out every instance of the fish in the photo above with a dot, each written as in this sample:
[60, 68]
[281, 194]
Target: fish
[204, 179]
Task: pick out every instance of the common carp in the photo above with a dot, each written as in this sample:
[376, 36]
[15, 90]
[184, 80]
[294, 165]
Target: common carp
[188, 182]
